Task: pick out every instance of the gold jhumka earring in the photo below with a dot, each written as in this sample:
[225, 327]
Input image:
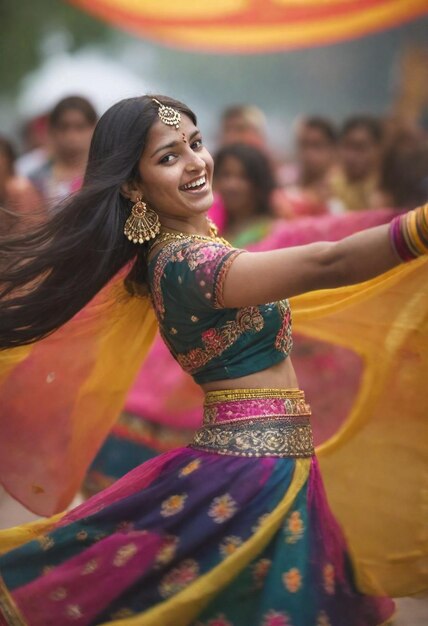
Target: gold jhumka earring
[143, 224]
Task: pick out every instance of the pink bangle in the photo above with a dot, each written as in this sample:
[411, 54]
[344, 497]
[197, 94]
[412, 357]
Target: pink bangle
[398, 239]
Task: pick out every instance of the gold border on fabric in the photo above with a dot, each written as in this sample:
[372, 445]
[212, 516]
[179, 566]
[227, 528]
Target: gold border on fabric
[228, 395]
[257, 438]
[278, 429]
[8, 609]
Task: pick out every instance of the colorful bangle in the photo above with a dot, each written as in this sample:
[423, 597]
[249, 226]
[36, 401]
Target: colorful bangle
[421, 228]
[409, 234]
[398, 241]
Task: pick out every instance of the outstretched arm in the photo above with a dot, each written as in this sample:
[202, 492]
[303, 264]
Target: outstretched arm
[260, 277]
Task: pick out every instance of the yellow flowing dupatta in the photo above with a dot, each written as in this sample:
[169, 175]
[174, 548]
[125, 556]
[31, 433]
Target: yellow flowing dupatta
[375, 467]
[60, 396]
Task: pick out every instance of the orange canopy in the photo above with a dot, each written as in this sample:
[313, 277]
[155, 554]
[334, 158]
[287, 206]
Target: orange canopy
[244, 26]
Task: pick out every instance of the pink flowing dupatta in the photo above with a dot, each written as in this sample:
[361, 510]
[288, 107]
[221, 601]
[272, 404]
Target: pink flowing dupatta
[60, 396]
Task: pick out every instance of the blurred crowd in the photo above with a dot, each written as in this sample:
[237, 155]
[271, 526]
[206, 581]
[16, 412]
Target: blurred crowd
[364, 163]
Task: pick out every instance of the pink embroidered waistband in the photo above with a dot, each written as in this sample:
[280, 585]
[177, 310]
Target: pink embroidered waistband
[223, 407]
[256, 423]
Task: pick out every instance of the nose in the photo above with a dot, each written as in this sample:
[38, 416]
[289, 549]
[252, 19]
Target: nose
[195, 163]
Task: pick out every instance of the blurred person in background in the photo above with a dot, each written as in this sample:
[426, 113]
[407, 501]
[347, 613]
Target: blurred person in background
[243, 123]
[316, 156]
[35, 145]
[244, 179]
[360, 153]
[20, 204]
[240, 123]
[71, 124]
[404, 174]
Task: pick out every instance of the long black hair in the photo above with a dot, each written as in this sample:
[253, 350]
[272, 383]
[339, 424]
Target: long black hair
[48, 275]
[258, 170]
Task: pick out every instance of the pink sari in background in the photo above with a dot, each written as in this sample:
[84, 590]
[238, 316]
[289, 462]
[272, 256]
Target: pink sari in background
[164, 406]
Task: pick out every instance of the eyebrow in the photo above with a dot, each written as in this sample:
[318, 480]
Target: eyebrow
[175, 143]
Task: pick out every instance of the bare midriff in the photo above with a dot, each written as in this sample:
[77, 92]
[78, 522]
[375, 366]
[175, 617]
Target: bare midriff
[279, 376]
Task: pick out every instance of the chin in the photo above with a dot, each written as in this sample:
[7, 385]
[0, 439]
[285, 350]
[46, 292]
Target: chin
[203, 205]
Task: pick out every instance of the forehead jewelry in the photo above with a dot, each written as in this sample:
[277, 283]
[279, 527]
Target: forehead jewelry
[168, 115]
[184, 137]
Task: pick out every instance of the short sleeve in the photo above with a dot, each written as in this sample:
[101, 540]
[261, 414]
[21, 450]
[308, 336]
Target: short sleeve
[193, 273]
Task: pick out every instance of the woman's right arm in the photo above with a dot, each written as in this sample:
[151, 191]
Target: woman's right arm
[260, 277]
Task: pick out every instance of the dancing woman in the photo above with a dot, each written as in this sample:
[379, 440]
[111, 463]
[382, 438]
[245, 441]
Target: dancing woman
[235, 529]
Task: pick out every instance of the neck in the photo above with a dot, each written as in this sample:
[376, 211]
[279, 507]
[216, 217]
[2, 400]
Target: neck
[195, 225]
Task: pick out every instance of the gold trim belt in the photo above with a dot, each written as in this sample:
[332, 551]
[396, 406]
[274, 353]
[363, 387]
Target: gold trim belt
[255, 423]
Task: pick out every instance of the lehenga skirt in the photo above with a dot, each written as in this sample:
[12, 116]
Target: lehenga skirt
[234, 530]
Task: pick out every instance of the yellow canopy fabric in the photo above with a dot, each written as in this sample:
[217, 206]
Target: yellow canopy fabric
[250, 26]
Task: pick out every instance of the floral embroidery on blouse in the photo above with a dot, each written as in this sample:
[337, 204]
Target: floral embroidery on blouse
[195, 255]
[217, 340]
[186, 284]
[284, 339]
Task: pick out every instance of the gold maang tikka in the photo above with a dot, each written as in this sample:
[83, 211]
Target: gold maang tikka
[143, 224]
[168, 115]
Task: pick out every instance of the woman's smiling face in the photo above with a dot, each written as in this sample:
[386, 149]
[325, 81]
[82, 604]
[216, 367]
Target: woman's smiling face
[176, 171]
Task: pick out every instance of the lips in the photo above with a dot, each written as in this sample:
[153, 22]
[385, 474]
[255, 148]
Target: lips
[197, 184]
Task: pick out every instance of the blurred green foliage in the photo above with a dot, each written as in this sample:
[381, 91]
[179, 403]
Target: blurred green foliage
[25, 23]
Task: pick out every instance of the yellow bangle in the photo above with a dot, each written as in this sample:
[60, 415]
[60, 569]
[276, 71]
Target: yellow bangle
[407, 234]
[416, 240]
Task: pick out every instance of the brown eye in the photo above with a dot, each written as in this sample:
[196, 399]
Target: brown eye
[197, 144]
[167, 158]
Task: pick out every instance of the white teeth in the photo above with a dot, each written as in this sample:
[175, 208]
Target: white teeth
[195, 183]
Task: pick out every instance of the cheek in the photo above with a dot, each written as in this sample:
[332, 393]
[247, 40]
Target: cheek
[160, 184]
[209, 162]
